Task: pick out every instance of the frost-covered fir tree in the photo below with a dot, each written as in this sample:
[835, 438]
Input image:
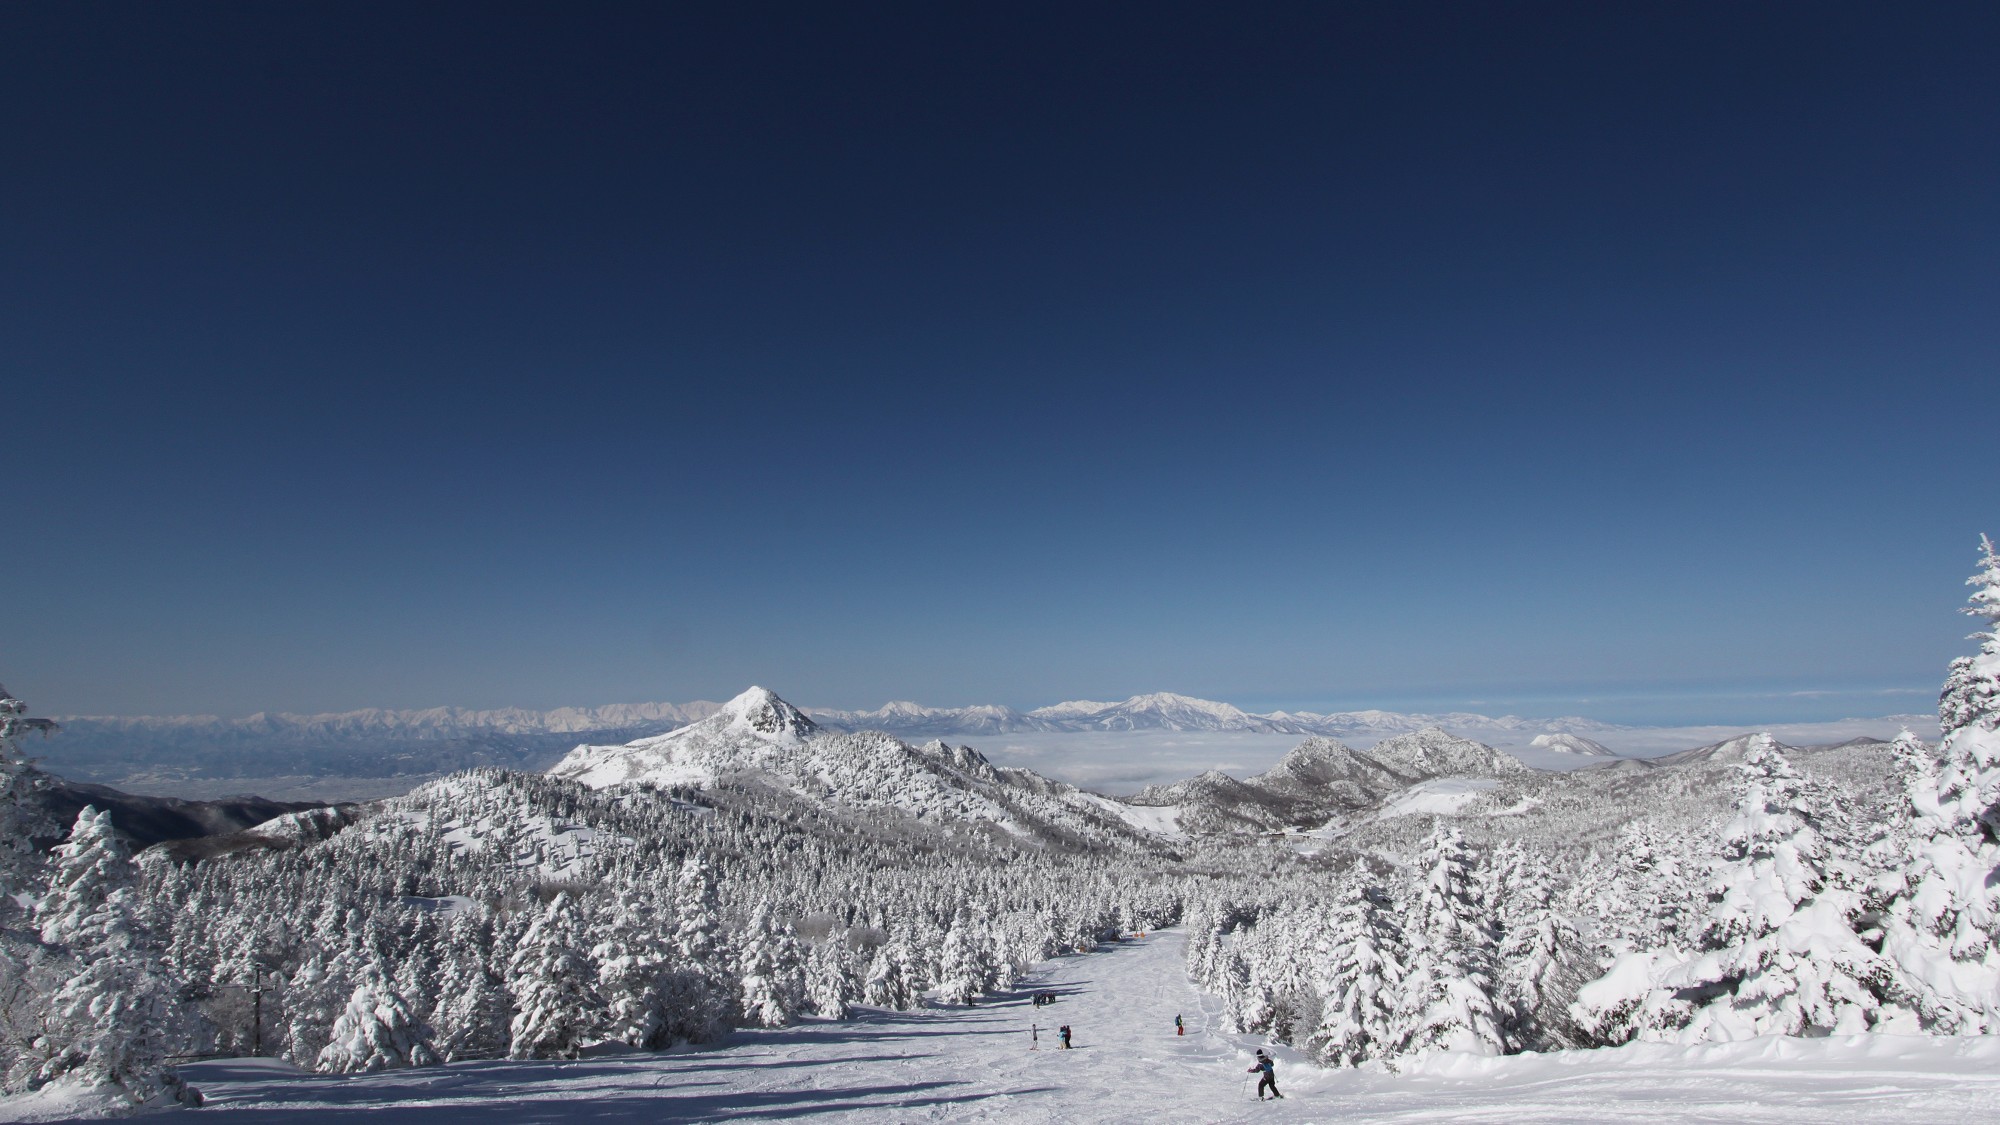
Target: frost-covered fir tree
[830, 984]
[1942, 920]
[962, 972]
[1360, 978]
[473, 1010]
[891, 981]
[313, 1000]
[700, 995]
[1970, 704]
[1655, 895]
[632, 974]
[28, 973]
[376, 1031]
[1448, 994]
[772, 972]
[120, 1017]
[557, 1008]
[21, 820]
[1778, 949]
[1543, 962]
[75, 906]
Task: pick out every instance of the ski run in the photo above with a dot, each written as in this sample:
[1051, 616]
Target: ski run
[756, 917]
[983, 1063]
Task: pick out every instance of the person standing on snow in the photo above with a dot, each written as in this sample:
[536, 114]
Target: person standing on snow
[1065, 1037]
[1270, 1075]
[1178, 1029]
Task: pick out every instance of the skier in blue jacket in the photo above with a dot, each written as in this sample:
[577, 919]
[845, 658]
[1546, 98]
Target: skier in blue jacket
[1270, 1075]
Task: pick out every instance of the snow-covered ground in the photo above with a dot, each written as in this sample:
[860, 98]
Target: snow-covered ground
[981, 1064]
[1441, 796]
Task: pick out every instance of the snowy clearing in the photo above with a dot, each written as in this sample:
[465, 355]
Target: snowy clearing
[1444, 796]
[976, 1065]
[1162, 820]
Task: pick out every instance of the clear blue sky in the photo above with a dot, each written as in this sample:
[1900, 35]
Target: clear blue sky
[1636, 360]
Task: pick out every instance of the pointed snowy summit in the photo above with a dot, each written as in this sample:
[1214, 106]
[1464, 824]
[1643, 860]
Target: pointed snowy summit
[752, 731]
[759, 713]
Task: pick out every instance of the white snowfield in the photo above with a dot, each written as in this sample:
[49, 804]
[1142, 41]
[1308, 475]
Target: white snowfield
[978, 1064]
[1443, 796]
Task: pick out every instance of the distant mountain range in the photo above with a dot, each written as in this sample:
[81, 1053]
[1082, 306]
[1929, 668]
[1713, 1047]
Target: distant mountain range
[1169, 712]
[387, 743]
[758, 738]
[759, 743]
[430, 723]
[1153, 711]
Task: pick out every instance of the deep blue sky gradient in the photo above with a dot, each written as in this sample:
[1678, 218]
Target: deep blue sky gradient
[1631, 360]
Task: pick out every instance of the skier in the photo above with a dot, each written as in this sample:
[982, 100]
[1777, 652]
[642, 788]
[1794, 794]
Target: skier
[1034, 1037]
[1064, 1032]
[1270, 1075]
[1178, 1029]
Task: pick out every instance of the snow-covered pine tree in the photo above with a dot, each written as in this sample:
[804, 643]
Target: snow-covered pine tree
[472, 1010]
[21, 820]
[700, 997]
[1359, 976]
[632, 974]
[961, 972]
[830, 981]
[1971, 699]
[772, 976]
[1448, 996]
[1779, 953]
[557, 1008]
[891, 981]
[119, 1018]
[1942, 920]
[313, 999]
[87, 867]
[1543, 962]
[376, 1031]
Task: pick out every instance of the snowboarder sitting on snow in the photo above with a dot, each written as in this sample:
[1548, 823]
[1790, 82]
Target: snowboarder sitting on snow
[1270, 1075]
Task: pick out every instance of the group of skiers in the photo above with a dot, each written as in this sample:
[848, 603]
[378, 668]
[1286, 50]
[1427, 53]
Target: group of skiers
[1265, 1064]
[1035, 1036]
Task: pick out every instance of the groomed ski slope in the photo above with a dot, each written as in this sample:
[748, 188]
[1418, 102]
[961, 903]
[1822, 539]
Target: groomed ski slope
[976, 1065]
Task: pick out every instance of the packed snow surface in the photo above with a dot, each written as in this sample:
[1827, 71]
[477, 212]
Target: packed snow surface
[1444, 796]
[1165, 820]
[980, 1064]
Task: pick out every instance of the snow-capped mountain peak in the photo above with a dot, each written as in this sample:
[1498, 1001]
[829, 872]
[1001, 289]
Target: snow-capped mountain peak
[1727, 751]
[759, 713]
[760, 739]
[1564, 743]
[1434, 752]
[1160, 710]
